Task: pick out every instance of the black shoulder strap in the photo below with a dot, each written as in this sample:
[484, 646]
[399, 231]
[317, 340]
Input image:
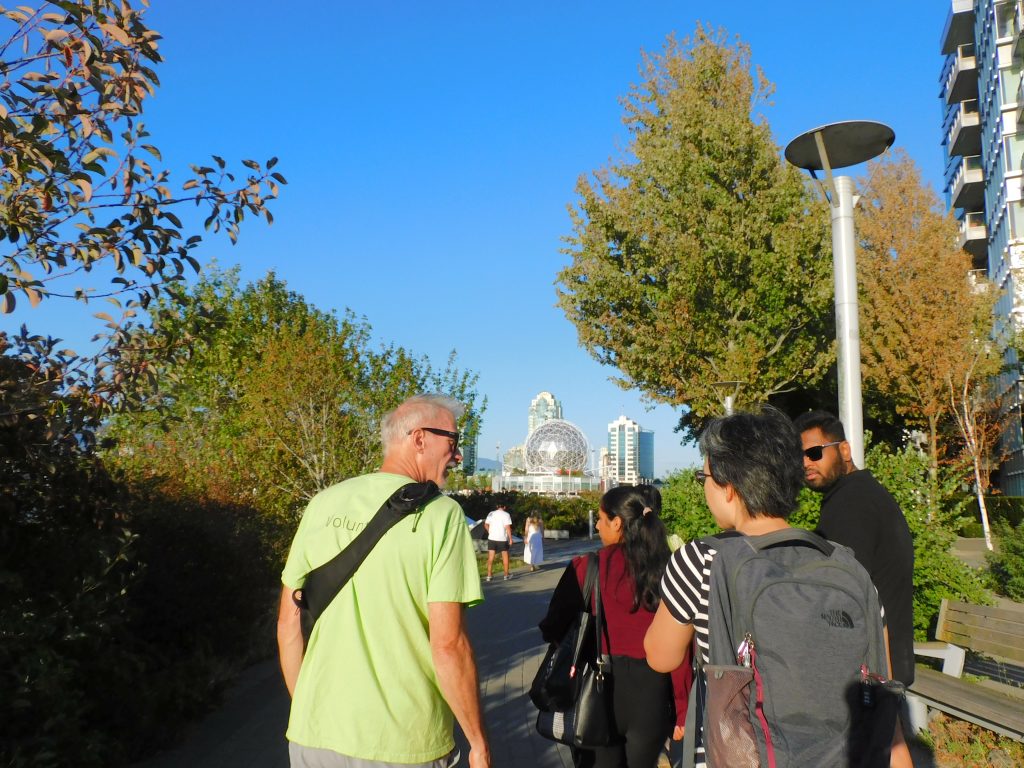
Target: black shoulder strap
[791, 537]
[323, 584]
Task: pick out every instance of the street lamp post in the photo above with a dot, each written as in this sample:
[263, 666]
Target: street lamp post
[840, 145]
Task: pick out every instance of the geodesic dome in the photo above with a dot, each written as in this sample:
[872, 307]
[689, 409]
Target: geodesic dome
[556, 445]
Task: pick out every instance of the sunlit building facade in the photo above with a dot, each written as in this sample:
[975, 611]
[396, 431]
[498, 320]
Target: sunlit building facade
[982, 105]
[630, 457]
[544, 407]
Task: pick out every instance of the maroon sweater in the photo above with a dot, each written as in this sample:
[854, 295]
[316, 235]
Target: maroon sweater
[626, 628]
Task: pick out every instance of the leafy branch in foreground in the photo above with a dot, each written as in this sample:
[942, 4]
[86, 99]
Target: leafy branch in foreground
[80, 184]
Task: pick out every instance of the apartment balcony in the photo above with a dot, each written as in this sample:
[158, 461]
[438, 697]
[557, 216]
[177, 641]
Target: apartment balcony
[1018, 29]
[977, 279]
[959, 27]
[962, 80]
[965, 134]
[1020, 102]
[974, 236]
[968, 187]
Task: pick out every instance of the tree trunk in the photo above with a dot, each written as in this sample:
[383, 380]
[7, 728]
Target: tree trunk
[981, 501]
[933, 466]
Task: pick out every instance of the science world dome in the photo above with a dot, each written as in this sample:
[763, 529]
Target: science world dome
[556, 446]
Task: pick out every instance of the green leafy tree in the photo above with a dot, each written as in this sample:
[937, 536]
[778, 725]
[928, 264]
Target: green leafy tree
[928, 368]
[86, 211]
[277, 399]
[700, 257]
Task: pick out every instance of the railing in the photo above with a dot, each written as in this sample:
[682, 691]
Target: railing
[966, 116]
[969, 171]
[1018, 26]
[962, 61]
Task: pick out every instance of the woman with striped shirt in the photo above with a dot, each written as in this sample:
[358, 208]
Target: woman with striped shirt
[752, 473]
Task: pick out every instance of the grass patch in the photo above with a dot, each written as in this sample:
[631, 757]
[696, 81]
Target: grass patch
[957, 742]
[481, 563]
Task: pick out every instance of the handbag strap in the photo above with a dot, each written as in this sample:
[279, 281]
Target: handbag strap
[323, 584]
[589, 585]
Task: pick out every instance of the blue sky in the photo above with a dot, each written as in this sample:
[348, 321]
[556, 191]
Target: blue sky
[431, 149]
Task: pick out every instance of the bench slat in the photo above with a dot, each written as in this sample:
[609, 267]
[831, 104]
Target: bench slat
[997, 646]
[980, 705]
[985, 629]
[1014, 615]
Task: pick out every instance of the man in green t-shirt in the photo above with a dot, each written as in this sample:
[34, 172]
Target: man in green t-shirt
[388, 663]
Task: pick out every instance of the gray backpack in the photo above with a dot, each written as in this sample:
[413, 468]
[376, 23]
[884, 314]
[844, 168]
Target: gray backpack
[799, 617]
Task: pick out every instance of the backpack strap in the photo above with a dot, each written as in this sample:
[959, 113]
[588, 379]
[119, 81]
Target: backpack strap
[323, 584]
[791, 537]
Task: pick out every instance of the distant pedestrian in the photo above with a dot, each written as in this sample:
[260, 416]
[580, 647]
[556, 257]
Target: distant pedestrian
[499, 538]
[388, 662]
[858, 512]
[533, 537]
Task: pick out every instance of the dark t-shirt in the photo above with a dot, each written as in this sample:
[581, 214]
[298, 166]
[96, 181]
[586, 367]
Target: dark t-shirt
[859, 513]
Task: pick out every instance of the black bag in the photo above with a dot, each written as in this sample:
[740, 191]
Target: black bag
[323, 584]
[554, 688]
[589, 722]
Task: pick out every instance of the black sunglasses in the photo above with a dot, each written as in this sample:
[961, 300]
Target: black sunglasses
[700, 475]
[454, 436]
[815, 452]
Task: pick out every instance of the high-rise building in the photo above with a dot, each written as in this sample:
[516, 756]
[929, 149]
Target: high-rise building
[468, 448]
[543, 407]
[630, 453]
[982, 104]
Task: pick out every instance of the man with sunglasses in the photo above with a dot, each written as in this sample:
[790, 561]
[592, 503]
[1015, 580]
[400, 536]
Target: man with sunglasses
[858, 512]
[389, 662]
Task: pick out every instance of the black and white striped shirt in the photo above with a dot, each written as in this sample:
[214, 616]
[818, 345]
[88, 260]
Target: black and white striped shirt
[686, 588]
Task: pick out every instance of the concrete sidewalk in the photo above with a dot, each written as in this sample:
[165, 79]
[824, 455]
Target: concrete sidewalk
[248, 728]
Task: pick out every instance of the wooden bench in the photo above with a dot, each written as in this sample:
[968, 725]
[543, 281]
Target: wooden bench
[995, 704]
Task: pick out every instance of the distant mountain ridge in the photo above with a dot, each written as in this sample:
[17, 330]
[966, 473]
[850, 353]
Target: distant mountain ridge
[489, 464]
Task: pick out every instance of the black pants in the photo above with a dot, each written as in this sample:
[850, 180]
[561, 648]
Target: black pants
[644, 716]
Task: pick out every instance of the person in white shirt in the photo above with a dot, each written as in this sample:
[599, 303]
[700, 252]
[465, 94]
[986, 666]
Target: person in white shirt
[499, 538]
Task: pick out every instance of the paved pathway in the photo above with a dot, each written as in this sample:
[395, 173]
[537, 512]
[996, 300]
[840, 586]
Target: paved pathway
[248, 729]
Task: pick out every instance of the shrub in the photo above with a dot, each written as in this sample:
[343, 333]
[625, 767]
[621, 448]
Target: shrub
[1007, 564]
[938, 573]
[683, 508]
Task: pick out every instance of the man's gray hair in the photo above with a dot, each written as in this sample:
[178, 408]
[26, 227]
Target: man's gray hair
[417, 411]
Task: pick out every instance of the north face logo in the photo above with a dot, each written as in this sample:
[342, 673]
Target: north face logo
[838, 619]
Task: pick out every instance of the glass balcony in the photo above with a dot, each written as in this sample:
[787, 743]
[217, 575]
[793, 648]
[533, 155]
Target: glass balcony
[962, 80]
[965, 134]
[1018, 28]
[968, 187]
[959, 27]
[974, 236]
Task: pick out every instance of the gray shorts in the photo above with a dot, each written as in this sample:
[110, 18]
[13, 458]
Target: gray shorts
[313, 757]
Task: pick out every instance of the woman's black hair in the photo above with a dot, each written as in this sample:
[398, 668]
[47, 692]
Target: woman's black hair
[644, 540]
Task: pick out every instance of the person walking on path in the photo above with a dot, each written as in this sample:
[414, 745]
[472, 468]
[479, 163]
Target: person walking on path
[533, 534]
[751, 477]
[858, 512]
[389, 661]
[499, 538]
[648, 706]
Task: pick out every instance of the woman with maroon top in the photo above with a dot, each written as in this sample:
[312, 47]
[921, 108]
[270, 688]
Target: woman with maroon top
[649, 706]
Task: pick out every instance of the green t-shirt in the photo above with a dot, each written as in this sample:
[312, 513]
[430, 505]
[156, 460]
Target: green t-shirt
[367, 686]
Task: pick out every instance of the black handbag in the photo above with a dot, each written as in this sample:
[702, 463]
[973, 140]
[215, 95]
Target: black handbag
[589, 722]
[554, 687]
